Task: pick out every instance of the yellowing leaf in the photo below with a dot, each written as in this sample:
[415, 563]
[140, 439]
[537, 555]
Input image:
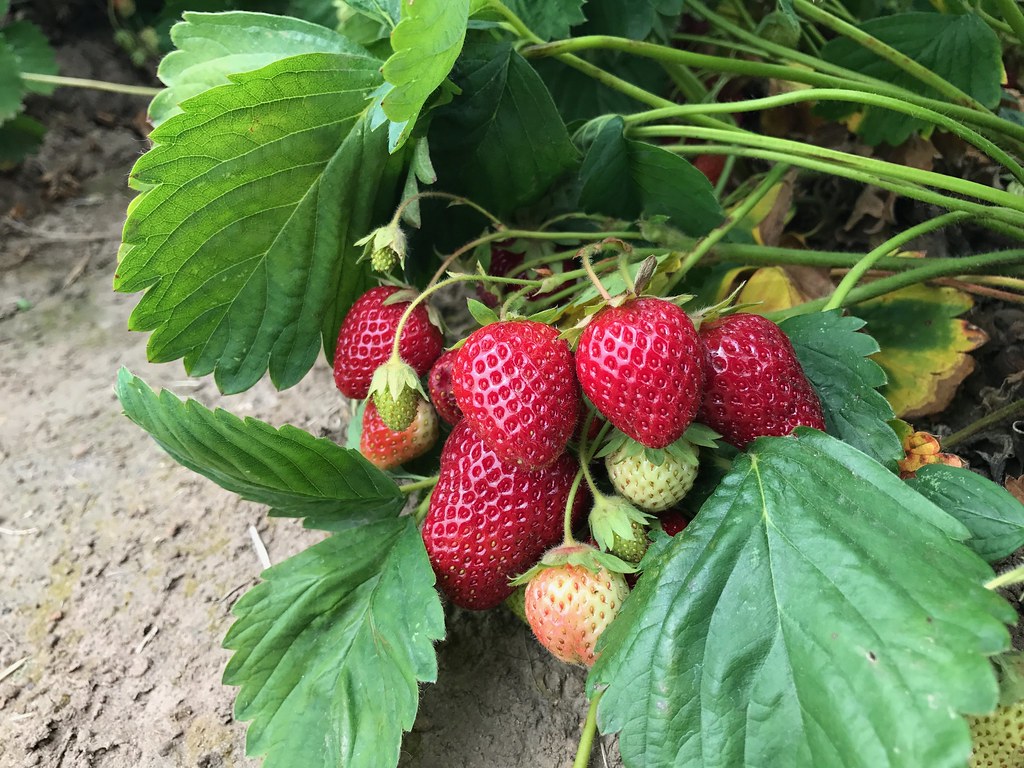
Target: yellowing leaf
[924, 346]
[773, 288]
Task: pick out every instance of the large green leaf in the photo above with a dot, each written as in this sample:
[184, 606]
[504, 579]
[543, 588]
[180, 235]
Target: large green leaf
[387, 12]
[296, 474]
[329, 650]
[12, 87]
[18, 138]
[818, 612]
[636, 19]
[33, 52]
[551, 18]
[961, 48]
[212, 46]
[501, 142]
[581, 97]
[835, 358]
[243, 236]
[628, 179]
[992, 515]
[427, 41]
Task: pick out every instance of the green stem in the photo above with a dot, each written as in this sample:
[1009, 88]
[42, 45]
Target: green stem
[419, 485]
[998, 416]
[1007, 579]
[862, 267]
[567, 537]
[587, 737]
[734, 218]
[96, 85]
[911, 277]
[1009, 10]
[887, 52]
[843, 95]
[455, 199]
[866, 164]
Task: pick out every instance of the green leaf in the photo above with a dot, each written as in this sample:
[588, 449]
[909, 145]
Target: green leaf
[629, 179]
[330, 648]
[992, 515]
[252, 200]
[835, 358]
[213, 46]
[296, 474]
[386, 12]
[960, 48]
[818, 612]
[581, 97]
[427, 41]
[549, 19]
[483, 314]
[502, 142]
[19, 138]
[636, 19]
[12, 87]
[33, 52]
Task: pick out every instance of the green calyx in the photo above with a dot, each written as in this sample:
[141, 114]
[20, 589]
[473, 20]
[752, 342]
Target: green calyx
[385, 247]
[396, 392]
[578, 554]
[618, 527]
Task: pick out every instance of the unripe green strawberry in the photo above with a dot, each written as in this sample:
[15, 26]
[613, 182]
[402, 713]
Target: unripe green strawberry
[631, 549]
[651, 486]
[388, 448]
[396, 413]
[998, 738]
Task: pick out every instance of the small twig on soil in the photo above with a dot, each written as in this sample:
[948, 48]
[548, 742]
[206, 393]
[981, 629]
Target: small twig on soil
[259, 547]
[1007, 412]
[13, 668]
[76, 271]
[58, 237]
[18, 531]
[149, 635]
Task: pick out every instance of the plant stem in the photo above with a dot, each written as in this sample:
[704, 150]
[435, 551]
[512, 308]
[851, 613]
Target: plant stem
[861, 267]
[587, 737]
[419, 485]
[887, 52]
[1007, 412]
[1012, 14]
[1007, 579]
[567, 537]
[96, 85]
[734, 218]
[955, 127]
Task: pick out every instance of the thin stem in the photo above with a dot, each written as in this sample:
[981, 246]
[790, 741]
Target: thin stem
[1009, 10]
[998, 416]
[567, 537]
[843, 95]
[1007, 579]
[861, 267]
[585, 255]
[887, 52]
[587, 737]
[419, 485]
[712, 238]
[96, 85]
[458, 199]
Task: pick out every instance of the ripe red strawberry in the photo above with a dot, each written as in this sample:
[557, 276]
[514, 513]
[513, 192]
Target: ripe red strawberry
[755, 384]
[673, 521]
[514, 382]
[441, 392]
[711, 166]
[490, 520]
[641, 365]
[568, 606]
[366, 337]
[385, 448]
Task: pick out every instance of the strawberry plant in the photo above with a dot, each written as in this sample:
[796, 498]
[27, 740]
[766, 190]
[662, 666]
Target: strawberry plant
[812, 580]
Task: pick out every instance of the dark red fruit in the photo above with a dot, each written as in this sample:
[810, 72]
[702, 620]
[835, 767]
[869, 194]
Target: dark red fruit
[440, 385]
[503, 261]
[490, 520]
[366, 337]
[755, 384]
[515, 385]
[642, 366]
[711, 166]
[672, 522]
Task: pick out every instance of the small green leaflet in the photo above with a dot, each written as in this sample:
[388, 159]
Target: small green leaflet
[19, 137]
[549, 19]
[427, 41]
[252, 200]
[817, 612]
[212, 46]
[33, 52]
[835, 358]
[296, 474]
[330, 650]
[387, 12]
[629, 179]
[994, 517]
[961, 48]
[505, 126]
[12, 87]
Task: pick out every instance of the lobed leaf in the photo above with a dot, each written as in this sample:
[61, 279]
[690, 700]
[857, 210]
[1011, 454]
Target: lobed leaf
[549, 19]
[834, 355]
[330, 648]
[252, 200]
[296, 474]
[817, 612]
[12, 87]
[33, 52]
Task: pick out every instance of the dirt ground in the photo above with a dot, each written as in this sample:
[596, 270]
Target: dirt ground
[118, 568]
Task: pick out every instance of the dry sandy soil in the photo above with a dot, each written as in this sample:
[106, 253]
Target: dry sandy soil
[118, 568]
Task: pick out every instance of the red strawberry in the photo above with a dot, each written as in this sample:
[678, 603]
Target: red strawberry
[503, 261]
[711, 166]
[514, 382]
[755, 384]
[641, 365]
[490, 520]
[385, 448]
[441, 392]
[673, 521]
[568, 606]
[366, 336]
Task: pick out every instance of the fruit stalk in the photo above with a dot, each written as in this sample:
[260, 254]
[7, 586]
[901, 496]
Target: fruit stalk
[587, 737]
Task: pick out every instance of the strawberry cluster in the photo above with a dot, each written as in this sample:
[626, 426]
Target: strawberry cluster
[509, 487]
